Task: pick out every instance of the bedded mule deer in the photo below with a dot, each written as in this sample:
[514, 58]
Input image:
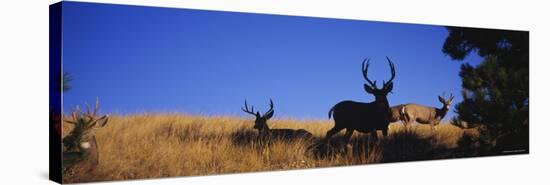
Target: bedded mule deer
[80, 145]
[265, 133]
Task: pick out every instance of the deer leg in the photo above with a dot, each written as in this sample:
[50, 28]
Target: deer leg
[349, 147]
[374, 134]
[407, 123]
[432, 127]
[347, 137]
[331, 132]
[385, 132]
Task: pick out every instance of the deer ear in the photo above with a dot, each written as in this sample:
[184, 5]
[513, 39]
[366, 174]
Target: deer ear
[102, 121]
[368, 88]
[441, 99]
[269, 114]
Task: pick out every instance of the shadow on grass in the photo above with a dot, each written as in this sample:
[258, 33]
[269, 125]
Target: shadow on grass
[397, 147]
[363, 149]
[249, 137]
[410, 146]
[337, 146]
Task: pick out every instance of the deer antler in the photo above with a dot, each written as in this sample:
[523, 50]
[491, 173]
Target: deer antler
[245, 109]
[365, 69]
[270, 107]
[96, 107]
[88, 117]
[74, 116]
[92, 114]
[392, 68]
[443, 100]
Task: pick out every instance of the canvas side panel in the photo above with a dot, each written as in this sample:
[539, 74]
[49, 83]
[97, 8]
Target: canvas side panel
[55, 75]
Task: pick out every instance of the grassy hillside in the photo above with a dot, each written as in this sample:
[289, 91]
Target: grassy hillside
[164, 145]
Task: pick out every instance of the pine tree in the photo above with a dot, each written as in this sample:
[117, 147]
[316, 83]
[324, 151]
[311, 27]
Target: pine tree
[66, 79]
[496, 92]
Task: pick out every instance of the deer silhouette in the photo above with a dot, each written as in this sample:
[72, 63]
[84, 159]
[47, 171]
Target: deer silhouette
[364, 117]
[266, 134]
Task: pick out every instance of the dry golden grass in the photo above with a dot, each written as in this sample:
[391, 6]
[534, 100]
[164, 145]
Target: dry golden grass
[165, 145]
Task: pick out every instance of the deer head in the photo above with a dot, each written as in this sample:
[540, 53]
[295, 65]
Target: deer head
[446, 103]
[261, 120]
[82, 137]
[371, 88]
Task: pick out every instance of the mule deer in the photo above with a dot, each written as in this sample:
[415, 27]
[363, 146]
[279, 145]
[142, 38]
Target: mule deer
[425, 115]
[364, 117]
[265, 133]
[80, 146]
[396, 113]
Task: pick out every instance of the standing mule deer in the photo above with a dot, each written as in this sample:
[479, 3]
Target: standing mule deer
[396, 113]
[425, 115]
[364, 117]
[80, 146]
[265, 133]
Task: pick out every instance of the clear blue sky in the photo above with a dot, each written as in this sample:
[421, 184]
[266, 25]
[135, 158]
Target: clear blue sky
[144, 59]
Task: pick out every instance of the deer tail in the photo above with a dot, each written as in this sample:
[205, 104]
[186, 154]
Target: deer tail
[330, 112]
[402, 113]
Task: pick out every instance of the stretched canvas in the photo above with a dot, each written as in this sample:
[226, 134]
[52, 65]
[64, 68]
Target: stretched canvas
[147, 92]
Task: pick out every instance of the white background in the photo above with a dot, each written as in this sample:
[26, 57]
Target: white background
[24, 91]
